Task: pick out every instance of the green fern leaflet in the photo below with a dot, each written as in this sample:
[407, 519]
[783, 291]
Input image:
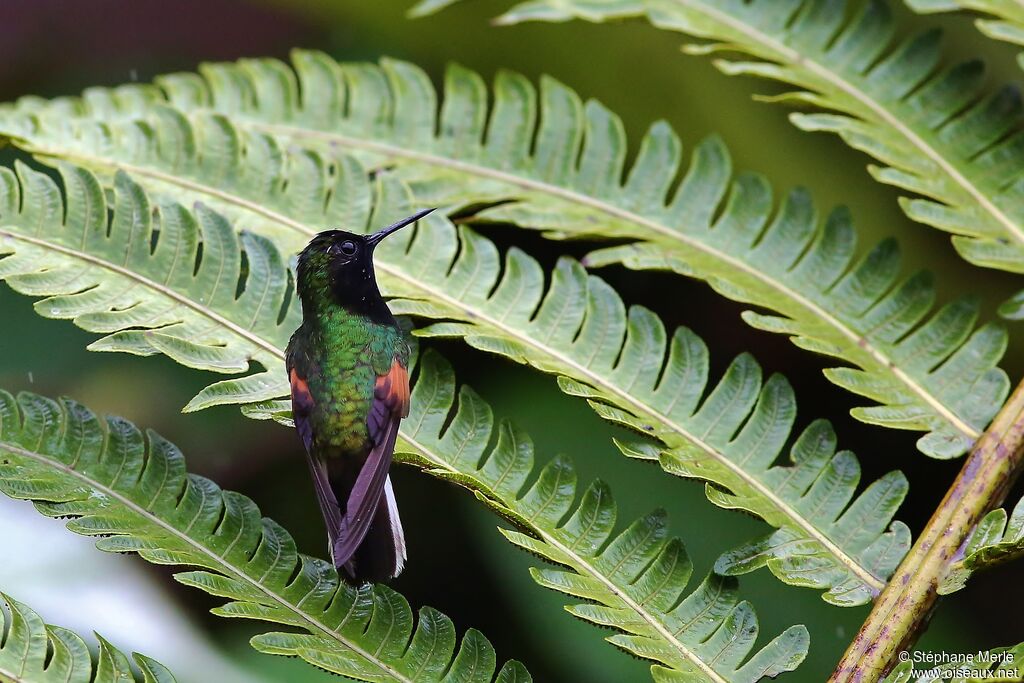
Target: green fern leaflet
[32, 651]
[1004, 20]
[997, 538]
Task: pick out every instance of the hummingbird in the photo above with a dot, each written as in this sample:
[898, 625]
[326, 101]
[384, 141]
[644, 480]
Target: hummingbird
[348, 367]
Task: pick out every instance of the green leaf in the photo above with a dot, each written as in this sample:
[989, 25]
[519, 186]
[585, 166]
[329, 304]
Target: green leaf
[632, 580]
[934, 373]
[622, 361]
[32, 651]
[933, 126]
[143, 281]
[996, 539]
[1013, 308]
[132, 491]
[1003, 20]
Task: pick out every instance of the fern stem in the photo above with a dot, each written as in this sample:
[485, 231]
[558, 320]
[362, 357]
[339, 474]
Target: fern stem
[903, 609]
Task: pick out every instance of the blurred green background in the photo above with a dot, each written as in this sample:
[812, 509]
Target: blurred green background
[458, 563]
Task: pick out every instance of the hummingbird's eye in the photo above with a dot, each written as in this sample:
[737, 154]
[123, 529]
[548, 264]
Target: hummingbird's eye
[348, 248]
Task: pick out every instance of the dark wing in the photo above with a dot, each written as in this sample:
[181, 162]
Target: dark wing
[367, 508]
[302, 409]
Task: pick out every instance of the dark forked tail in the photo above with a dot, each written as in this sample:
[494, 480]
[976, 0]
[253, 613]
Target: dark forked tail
[382, 553]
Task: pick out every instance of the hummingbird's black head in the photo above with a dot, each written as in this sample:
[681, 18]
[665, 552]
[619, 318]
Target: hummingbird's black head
[337, 267]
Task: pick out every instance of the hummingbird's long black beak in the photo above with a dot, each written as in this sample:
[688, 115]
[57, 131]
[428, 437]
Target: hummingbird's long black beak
[395, 227]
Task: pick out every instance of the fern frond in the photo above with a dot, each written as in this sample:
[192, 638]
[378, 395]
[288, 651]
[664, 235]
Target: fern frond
[997, 664]
[132, 490]
[933, 127]
[146, 285]
[32, 651]
[1004, 20]
[996, 539]
[936, 374]
[621, 361]
[1007, 23]
[632, 579]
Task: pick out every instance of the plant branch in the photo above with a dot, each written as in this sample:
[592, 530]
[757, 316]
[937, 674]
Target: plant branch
[904, 607]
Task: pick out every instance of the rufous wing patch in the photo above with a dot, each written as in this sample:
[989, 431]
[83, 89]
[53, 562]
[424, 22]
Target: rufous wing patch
[302, 407]
[392, 389]
[302, 400]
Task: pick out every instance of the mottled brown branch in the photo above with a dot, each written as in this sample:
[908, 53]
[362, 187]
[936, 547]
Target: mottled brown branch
[902, 610]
